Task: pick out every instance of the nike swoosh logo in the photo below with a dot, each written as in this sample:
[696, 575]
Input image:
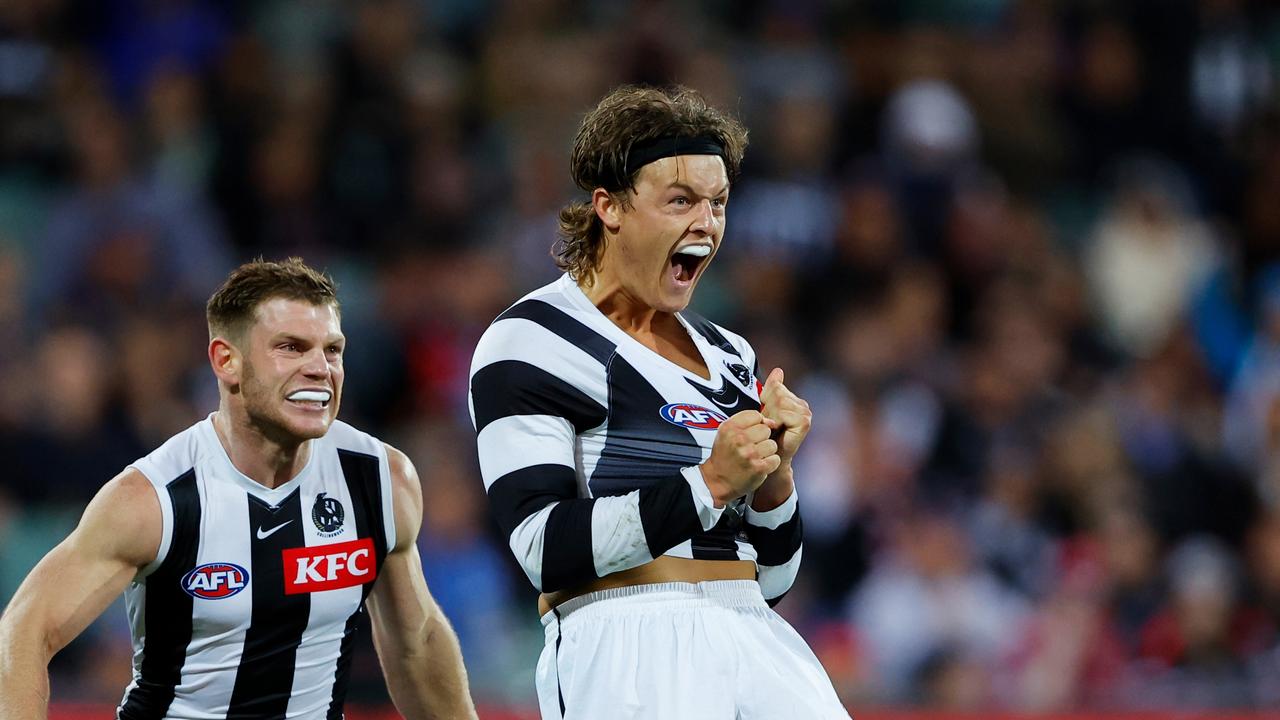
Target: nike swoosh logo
[728, 406]
[264, 535]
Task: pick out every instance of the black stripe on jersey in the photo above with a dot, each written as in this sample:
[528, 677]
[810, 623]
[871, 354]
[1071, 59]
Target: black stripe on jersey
[641, 447]
[708, 330]
[343, 674]
[667, 515]
[521, 493]
[567, 559]
[361, 472]
[168, 609]
[512, 387]
[718, 543]
[776, 547]
[559, 322]
[264, 680]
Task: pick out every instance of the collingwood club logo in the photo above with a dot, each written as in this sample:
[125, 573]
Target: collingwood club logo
[327, 514]
[740, 372]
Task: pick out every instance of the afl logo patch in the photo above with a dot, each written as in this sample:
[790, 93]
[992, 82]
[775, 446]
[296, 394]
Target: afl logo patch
[694, 417]
[215, 581]
[327, 514]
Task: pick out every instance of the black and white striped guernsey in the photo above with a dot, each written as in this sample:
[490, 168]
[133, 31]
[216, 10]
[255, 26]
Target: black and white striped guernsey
[590, 442]
[251, 605]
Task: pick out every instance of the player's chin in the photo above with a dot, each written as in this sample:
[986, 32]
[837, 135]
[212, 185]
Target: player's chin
[675, 297]
[313, 431]
[311, 424]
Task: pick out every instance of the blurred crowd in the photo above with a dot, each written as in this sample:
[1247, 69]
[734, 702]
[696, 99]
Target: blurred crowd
[1022, 256]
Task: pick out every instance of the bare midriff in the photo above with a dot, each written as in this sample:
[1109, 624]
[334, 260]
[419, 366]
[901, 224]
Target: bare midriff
[665, 569]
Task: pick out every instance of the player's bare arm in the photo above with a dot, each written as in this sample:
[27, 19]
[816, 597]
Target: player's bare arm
[793, 419]
[416, 645]
[119, 533]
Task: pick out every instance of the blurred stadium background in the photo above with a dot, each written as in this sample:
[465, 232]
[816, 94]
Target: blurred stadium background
[1021, 255]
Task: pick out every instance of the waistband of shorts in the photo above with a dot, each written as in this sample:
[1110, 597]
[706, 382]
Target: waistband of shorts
[661, 596]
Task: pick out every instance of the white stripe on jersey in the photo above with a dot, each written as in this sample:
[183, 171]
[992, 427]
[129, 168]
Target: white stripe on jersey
[526, 543]
[617, 535]
[708, 513]
[775, 580]
[773, 519]
[519, 441]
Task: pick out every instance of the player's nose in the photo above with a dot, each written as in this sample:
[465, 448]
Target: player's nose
[315, 364]
[705, 219]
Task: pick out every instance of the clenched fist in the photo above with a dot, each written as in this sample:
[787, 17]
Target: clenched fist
[791, 418]
[743, 455]
[789, 411]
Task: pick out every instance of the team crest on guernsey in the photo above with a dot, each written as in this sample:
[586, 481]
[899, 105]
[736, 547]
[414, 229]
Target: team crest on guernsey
[740, 372]
[215, 581]
[327, 514]
[695, 417]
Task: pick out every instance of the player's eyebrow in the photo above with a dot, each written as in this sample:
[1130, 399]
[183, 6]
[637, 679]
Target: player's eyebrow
[681, 185]
[290, 338]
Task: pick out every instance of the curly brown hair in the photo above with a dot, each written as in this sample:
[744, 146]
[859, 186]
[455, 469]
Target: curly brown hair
[231, 308]
[627, 117]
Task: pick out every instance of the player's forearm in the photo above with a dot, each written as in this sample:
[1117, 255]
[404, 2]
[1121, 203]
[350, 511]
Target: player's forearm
[775, 490]
[426, 676]
[24, 673]
[24, 699]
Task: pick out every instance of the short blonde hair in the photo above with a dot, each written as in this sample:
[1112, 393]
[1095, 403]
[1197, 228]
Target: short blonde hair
[231, 308]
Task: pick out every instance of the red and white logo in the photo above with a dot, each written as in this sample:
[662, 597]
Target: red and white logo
[692, 416]
[214, 581]
[329, 567]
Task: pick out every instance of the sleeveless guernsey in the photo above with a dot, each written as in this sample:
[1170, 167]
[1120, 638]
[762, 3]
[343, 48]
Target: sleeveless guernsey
[252, 603]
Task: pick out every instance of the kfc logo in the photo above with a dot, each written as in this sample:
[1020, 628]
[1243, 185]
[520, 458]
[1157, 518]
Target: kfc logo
[329, 567]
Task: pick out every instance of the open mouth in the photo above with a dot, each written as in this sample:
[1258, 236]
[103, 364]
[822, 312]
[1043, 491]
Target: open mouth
[317, 399]
[686, 261]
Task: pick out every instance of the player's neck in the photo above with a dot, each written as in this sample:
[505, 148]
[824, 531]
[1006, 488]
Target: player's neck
[628, 312]
[266, 461]
[659, 331]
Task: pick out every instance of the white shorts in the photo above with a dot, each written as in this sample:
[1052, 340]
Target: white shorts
[679, 651]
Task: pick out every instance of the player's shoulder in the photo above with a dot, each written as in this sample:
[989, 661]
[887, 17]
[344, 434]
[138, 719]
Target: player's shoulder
[176, 456]
[124, 519]
[406, 489]
[130, 488]
[551, 325]
[403, 473]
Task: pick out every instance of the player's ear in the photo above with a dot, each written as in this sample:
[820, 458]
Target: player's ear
[226, 361]
[608, 208]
